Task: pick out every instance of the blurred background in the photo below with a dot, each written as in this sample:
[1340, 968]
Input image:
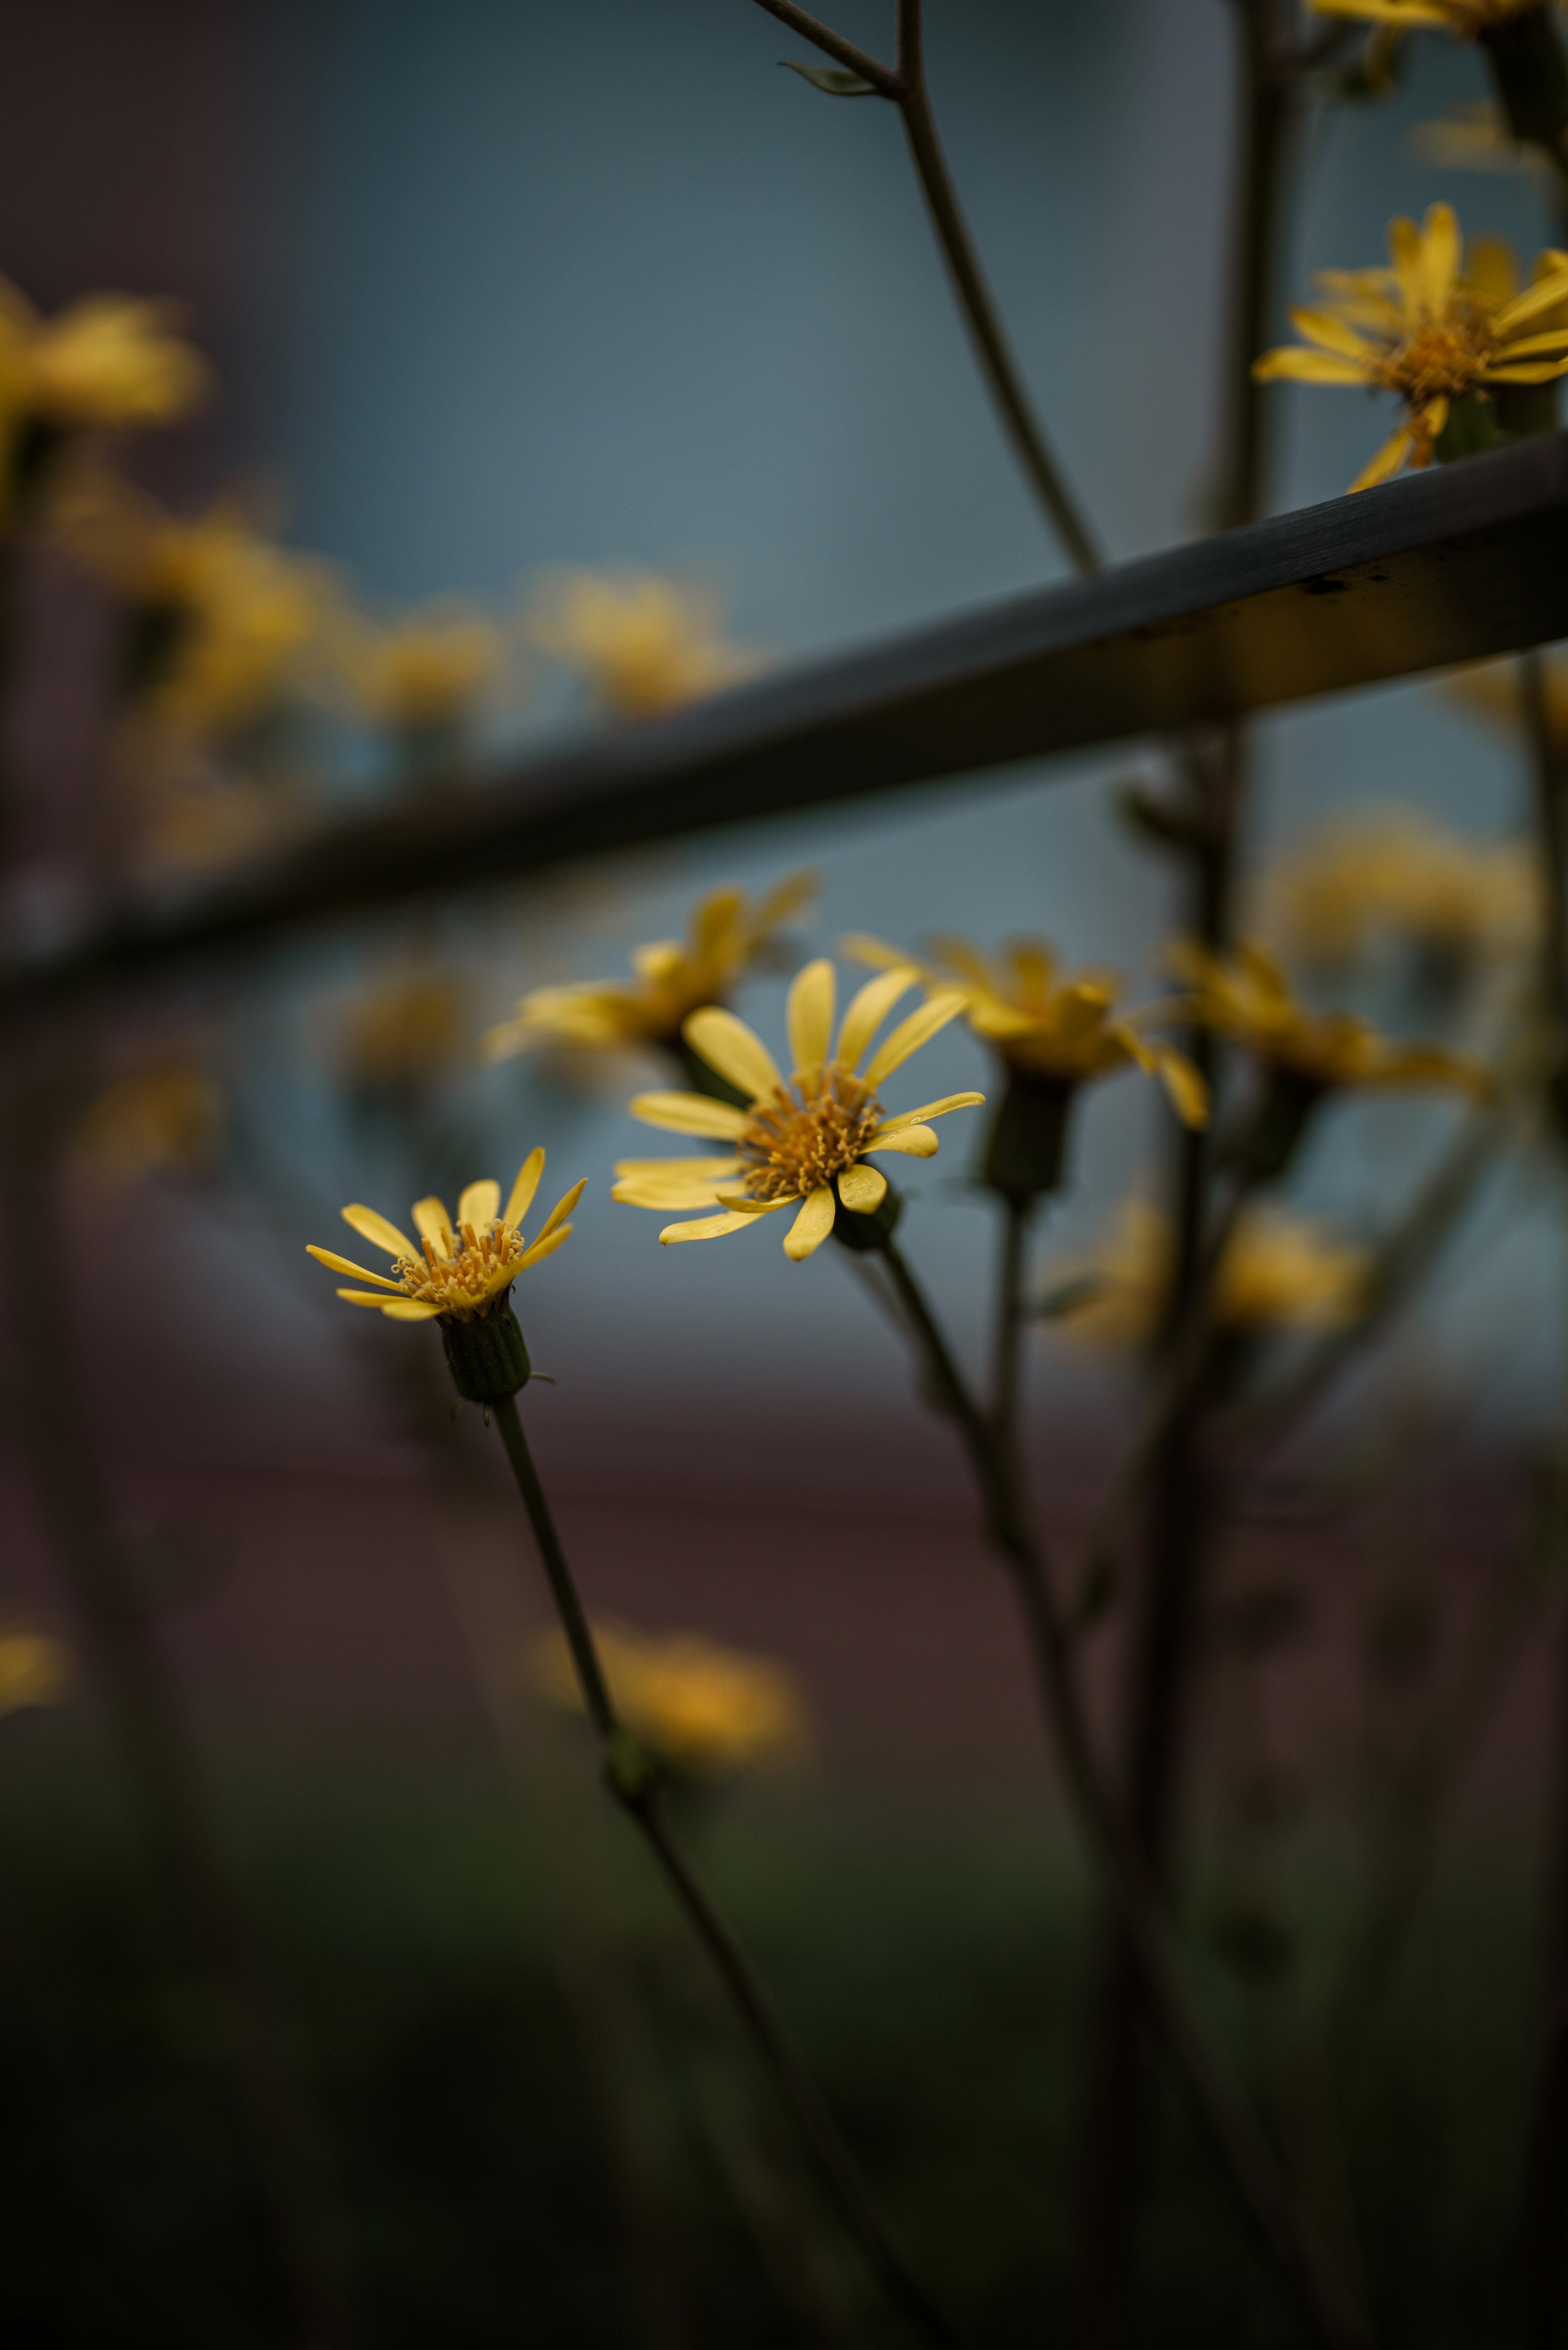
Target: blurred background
[490, 291]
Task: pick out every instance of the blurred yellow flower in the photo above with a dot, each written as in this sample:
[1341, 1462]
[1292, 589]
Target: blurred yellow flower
[455, 1272]
[1393, 871]
[1065, 1030]
[1476, 137]
[1281, 1271]
[643, 644]
[725, 936]
[108, 362]
[1246, 998]
[803, 1145]
[1467, 18]
[34, 1669]
[703, 1710]
[1491, 691]
[165, 1118]
[404, 1032]
[223, 623]
[424, 673]
[1428, 332]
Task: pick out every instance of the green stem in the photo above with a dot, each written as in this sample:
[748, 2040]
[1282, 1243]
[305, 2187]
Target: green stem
[1243, 2152]
[636, 1790]
[1010, 1323]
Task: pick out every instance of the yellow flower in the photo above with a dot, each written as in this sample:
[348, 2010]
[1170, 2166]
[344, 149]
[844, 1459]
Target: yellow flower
[1491, 691]
[33, 1670]
[1246, 997]
[641, 644]
[1428, 333]
[167, 1116]
[702, 1710]
[1281, 1271]
[726, 935]
[457, 1272]
[1393, 870]
[1476, 137]
[107, 362]
[1064, 1030]
[424, 672]
[1468, 19]
[804, 1144]
[404, 1031]
[222, 620]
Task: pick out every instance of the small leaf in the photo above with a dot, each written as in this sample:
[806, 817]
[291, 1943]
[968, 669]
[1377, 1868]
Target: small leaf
[829, 78]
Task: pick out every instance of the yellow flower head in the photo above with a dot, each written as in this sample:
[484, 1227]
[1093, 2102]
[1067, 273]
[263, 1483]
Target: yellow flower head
[34, 1669]
[1492, 692]
[166, 1118]
[1281, 1271]
[455, 1273]
[643, 644]
[1428, 332]
[226, 620]
[424, 672]
[108, 361]
[1392, 872]
[725, 936]
[1467, 19]
[802, 1144]
[404, 1031]
[704, 1711]
[1246, 997]
[1049, 1026]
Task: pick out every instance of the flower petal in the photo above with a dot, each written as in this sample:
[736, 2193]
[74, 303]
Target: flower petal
[689, 1114]
[560, 1212]
[373, 1227]
[704, 1228]
[409, 1309]
[365, 1297]
[863, 1188]
[1298, 365]
[480, 1204]
[1543, 296]
[434, 1224]
[336, 1263]
[869, 1007]
[1331, 334]
[545, 1246]
[1183, 1082]
[1386, 462]
[668, 1191]
[522, 1191]
[909, 1035]
[914, 1141]
[812, 1225]
[927, 1109]
[812, 996]
[728, 1046]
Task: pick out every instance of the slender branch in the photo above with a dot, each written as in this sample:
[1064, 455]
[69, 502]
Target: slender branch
[883, 79]
[636, 1790]
[1243, 2151]
[1010, 1325]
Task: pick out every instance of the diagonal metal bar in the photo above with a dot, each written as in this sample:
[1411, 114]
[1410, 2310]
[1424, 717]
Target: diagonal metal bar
[1455, 565]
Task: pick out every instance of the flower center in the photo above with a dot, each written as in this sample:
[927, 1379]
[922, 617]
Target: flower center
[806, 1133]
[484, 1263]
[1438, 360]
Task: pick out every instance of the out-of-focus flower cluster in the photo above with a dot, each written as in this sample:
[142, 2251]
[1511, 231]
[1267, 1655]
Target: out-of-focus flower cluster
[705, 1712]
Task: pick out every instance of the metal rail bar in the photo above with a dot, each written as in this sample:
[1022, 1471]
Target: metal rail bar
[1455, 565]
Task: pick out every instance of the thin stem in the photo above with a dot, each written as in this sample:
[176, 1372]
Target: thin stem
[1010, 1322]
[637, 1793]
[883, 79]
[1243, 2152]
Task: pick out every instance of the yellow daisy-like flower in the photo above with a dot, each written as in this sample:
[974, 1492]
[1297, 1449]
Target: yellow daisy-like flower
[702, 1710]
[168, 1117]
[1281, 1271]
[801, 1144]
[106, 363]
[643, 644]
[1394, 871]
[1247, 997]
[454, 1271]
[1065, 1030]
[725, 936]
[424, 672]
[1428, 332]
[404, 1032]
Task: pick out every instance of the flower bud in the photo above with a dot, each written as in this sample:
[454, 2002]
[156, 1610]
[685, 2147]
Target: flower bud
[486, 1355]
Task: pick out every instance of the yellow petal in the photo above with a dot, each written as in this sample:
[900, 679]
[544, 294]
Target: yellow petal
[560, 1212]
[869, 1007]
[1387, 462]
[1545, 292]
[545, 1246]
[812, 997]
[861, 947]
[863, 1188]
[479, 1204]
[728, 1046]
[1297, 365]
[928, 1110]
[914, 1141]
[812, 1225]
[346, 1264]
[689, 1114]
[409, 1309]
[434, 1224]
[671, 1191]
[696, 1169]
[1184, 1084]
[1439, 258]
[705, 1227]
[1533, 372]
[365, 1297]
[522, 1191]
[373, 1227]
[1321, 327]
[909, 1035]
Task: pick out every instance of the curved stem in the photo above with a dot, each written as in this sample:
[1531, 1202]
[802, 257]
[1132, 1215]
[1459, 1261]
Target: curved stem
[638, 1793]
[1242, 2150]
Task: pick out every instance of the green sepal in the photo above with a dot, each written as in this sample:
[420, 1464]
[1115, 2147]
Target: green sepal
[486, 1355]
[1473, 427]
[1531, 76]
[1026, 1150]
[830, 78]
[867, 1233]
